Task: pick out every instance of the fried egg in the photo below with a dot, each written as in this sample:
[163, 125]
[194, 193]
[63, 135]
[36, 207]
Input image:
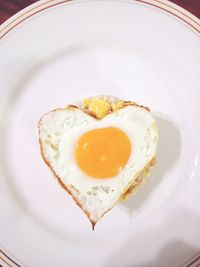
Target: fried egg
[99, 160]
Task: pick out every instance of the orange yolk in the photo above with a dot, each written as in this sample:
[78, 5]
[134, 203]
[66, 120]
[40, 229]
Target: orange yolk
[103, 152]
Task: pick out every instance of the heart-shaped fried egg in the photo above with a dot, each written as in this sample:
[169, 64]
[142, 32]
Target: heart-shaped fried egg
[99, 152]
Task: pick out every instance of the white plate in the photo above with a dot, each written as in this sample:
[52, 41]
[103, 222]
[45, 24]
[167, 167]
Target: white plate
[55, 52]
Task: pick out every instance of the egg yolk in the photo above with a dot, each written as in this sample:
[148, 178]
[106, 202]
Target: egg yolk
[103, 152]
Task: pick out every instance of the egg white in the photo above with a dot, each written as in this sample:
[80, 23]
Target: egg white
[61, 129]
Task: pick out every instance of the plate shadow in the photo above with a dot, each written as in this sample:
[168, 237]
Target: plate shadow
[169, 148]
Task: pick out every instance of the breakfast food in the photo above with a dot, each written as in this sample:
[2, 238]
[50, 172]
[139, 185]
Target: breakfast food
[100, 150]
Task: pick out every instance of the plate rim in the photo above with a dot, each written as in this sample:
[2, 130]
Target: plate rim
[166, 6]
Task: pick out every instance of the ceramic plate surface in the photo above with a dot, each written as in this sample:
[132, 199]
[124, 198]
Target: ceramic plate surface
[54, 53]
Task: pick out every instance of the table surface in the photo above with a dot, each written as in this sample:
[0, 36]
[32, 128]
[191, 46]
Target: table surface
[10, 7]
